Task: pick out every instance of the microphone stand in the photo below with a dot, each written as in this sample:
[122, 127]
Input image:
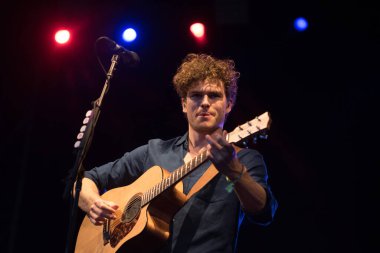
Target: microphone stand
[82, 146]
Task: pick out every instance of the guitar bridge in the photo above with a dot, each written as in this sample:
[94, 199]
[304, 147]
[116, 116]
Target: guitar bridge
[106, 232]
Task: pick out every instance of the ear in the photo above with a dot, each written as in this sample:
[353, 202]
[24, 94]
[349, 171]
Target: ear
[230, 104]
[183, 102]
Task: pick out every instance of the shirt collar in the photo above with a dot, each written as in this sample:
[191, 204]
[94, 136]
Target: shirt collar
[183, 140]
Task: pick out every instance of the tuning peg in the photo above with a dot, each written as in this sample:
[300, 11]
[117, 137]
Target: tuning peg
[80, 136]
[77, 144]
[88, 113]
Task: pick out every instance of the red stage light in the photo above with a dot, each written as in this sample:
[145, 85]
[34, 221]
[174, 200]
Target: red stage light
[198, 30]
[62, 36]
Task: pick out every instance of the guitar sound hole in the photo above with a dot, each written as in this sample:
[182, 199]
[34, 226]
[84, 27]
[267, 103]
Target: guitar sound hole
[132, 209]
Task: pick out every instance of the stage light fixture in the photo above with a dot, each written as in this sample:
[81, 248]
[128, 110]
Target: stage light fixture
[62, 36]
[300, 24]
[198, 30]
[129, 35]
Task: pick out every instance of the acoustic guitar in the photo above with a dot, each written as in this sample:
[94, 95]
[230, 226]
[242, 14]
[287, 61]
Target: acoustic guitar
[147, 206]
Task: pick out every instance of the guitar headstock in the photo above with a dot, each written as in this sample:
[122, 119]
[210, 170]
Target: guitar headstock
[255, 128]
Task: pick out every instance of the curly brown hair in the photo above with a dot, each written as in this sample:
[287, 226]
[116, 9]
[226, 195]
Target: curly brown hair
[200, 67]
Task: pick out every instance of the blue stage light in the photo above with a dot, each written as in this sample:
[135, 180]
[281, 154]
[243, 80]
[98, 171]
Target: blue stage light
[300, 24]
[129, 35]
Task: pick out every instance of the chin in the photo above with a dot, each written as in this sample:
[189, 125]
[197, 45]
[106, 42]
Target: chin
[206, 129]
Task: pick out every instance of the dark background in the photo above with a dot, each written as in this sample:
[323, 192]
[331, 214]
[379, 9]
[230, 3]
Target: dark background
[320, 86]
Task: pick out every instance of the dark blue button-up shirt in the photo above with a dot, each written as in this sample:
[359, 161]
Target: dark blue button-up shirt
[210, 220]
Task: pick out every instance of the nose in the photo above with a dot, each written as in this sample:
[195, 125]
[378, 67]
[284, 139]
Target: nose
[205, 103]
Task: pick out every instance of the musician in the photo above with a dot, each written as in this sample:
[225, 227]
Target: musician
[210, 220]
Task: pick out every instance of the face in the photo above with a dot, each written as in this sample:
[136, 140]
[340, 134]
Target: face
[206, 106]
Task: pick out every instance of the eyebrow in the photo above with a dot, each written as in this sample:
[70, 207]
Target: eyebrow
[215, 91]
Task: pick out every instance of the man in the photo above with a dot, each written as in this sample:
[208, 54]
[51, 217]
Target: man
[209, 221]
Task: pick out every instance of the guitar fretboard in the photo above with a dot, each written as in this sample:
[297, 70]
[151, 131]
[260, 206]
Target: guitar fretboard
[174, 177]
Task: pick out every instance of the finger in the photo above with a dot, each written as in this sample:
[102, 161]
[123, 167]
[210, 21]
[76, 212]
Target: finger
[99, 219]
[212, 142]
[96, 211]
[94, 218]
[113, 205]
[209, 148]
[96, 222]
[221, 139]
[215, 155]
[105, 205]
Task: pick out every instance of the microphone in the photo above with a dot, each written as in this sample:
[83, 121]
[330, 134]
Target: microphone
[127, 56]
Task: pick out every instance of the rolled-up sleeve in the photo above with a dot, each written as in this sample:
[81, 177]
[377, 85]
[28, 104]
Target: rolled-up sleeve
[256, 167]
[120, 172]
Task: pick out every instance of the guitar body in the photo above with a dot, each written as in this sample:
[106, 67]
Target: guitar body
[148, 227]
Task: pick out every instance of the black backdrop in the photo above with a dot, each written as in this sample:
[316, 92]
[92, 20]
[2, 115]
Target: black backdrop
[320, 87]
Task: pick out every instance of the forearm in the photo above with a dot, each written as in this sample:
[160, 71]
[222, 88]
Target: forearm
[252, 195]
[88, 194]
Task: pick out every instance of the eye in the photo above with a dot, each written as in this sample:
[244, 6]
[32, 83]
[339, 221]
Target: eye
[195, 95]
[215, 95]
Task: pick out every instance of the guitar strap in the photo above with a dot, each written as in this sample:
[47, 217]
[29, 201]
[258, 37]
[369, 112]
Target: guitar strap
[209, 174]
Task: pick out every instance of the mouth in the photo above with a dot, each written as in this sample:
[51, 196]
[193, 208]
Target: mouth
[204, 114]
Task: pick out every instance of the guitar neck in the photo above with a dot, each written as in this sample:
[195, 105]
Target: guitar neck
[176, 176]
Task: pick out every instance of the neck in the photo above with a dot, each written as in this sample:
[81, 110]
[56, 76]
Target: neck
[198, 140]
